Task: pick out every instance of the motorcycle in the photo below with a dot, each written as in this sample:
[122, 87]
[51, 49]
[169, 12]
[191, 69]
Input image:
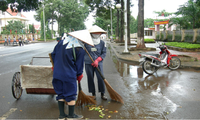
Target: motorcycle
[151, 63]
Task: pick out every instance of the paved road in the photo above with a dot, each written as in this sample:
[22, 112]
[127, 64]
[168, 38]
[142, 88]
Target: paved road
[165, 95]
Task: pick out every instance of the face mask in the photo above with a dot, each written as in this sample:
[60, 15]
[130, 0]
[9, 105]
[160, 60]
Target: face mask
[95, 38]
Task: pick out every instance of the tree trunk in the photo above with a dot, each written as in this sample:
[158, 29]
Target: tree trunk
[128, 22]
[140, 39]
[122, 22]
[117, 28]
[52, 26]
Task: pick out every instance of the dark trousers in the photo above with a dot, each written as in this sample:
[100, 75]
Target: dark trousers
[5, 43]
[90, 77]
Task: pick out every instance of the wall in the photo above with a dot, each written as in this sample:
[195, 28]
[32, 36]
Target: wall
[190, 36]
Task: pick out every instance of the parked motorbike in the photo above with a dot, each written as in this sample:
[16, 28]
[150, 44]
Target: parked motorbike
[151, 63]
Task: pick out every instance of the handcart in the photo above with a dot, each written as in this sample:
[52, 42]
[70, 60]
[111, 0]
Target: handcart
[34, 79]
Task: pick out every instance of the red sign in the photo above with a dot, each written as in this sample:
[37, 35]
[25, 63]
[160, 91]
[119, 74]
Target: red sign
[161, 22]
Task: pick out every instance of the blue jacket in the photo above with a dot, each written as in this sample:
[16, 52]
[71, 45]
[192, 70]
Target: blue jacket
[65, 67]
[95, 52]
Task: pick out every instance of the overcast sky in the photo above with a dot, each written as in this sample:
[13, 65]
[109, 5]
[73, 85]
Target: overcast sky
[149, 7]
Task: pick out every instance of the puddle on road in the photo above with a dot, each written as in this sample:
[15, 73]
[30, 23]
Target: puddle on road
[145, 98]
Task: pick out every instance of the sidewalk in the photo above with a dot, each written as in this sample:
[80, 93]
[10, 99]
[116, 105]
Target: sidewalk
[188, 59]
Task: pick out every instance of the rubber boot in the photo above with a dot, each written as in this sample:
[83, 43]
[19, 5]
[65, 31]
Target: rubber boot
[71, 114]
[61, 105]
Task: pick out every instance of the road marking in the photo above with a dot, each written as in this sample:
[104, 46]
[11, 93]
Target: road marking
[17, 52]
[8, 113]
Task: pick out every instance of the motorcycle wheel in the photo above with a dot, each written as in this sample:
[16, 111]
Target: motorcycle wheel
[148, 68]
[174, 63]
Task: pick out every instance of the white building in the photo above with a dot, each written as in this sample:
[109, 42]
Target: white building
[8, 15]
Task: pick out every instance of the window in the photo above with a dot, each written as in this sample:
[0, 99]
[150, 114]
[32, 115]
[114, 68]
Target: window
[148, 33]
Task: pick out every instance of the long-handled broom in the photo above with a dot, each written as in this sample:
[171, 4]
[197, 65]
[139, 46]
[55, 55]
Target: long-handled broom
[113, 94]
[82, 97]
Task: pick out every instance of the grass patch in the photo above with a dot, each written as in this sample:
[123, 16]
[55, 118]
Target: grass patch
[183, 45]
[149, 40]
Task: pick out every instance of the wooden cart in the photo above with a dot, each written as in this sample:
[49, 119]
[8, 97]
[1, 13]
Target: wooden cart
[34, 79]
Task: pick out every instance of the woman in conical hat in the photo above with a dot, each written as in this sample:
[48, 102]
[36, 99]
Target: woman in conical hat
[68, 67]
[98, 53]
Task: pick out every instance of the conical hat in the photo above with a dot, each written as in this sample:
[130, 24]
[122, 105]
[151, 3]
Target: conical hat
[96, 28]
[82, 35]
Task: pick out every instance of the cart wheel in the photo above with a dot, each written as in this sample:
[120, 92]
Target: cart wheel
[16, 86]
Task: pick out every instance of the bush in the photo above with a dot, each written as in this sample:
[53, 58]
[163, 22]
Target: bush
[169, 37]
[157, 37]
[162, 37]
[177, 38]
[188, 38]
[198, 39]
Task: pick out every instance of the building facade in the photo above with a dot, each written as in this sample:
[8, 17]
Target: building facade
[8, 15]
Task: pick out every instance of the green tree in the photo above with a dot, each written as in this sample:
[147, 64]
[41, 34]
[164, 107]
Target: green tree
[26, 5]
[67, 13]
[32, 29]
[191, 10]
[133, 25]
[15, 26]
[163, 13]
[181, 22]
[149, 23]
[42, 26]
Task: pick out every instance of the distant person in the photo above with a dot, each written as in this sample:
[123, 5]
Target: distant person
[9, 40]
[25, 40]
[5, 41]
[20, 41]
[14, 40]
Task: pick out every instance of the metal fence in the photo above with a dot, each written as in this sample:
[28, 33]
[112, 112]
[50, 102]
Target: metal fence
[198, 32]
[189, 32]
[170, 32]
[178, 32]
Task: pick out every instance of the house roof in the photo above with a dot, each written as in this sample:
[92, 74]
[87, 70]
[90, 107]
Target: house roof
[14, 13]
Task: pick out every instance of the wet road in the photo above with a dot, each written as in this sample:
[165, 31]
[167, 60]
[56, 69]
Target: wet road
[165, 95]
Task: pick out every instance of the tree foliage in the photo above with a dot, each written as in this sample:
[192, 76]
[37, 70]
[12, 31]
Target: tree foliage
[149, 22]
[32, 28]
[67, 13]
[163, 13]
[191, 12]
[14, 26]
[26, 5]
[133, 25]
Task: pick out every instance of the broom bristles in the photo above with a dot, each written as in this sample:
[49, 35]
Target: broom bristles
[113, 94]
[84, 99]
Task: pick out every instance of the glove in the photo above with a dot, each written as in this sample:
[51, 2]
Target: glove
[52, 68]
[95, 64]
[79, 78]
